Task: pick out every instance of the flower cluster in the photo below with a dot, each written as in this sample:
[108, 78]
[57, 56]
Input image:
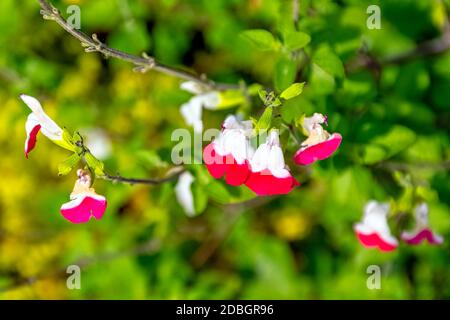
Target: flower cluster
[85, 203]
[373, 231]
[263, 170]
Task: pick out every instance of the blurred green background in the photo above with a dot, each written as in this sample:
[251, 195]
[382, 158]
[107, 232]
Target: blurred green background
[394, 119]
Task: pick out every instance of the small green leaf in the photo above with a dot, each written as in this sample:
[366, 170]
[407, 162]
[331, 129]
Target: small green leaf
[328, 61]
[218, 192]
[200, 198]
[94, 164]
[262, 39]
[285, 72]
[292, 91]
[67, 165]
[262, 95]
[265, 120]
[296, 40]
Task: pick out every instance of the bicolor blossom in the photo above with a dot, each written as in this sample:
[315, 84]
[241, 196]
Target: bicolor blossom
[421, 231]
[229, 153]
[373, 231]
[183, 192]
[37, 121]
[269, 174]
[320, 144]
[84, 202]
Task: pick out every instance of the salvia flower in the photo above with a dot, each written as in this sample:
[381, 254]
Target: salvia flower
[228, 154]
[421, 231]
[84, 201]
[269, 174]
[373, 231]
[320, 144]
[184, 194]
[206, 98]
[193, 109]
[37, 121]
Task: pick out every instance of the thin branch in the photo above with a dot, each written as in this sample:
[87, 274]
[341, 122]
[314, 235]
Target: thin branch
[296, 13]
[120, 179]
[143, 64]
[405, 166]
[428, 48]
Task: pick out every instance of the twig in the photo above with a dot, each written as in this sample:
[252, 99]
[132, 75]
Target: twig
[120, 179]
[425, 49]
[142, 64]
[400, 166]
[296, 13]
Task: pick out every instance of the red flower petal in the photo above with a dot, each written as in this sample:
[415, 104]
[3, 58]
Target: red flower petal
[373, 240]
[81, 209]
[215, 163]
[318, 151]
[235, 174]
[264, 183]
[31, 140]
[424, 234]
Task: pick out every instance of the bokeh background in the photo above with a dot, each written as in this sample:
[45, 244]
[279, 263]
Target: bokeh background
[394, 119]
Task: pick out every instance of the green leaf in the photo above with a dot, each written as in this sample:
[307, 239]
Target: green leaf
[262, 95]
[67, 165]
[320, 81]
[328, 61]
[384, 146]
[292, 91]
[262, 39]
[285, 72]
[218, 192]
[200, 198]
[94, 164]
[296, 40]
[265, 120]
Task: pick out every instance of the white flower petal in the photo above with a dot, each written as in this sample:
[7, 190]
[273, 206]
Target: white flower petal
[183, 193]
[192, 113]
[193, 87]
[48, 127]
[210, 100]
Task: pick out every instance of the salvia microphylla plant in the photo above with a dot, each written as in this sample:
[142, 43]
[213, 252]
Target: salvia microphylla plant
[247, 152]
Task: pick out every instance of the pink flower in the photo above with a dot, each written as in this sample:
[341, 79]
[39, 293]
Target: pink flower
[85, 203]
[269, 174]
[228, 154]
[373, 231]
[421, 231]
[320, 144]
[37, 121]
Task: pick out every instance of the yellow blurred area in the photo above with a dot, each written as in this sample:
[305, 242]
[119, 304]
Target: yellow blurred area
[291, 225]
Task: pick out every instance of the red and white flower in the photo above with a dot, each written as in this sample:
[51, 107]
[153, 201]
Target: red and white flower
[320, 144]
[269, 174]
[421, 231]
[229, 153]
[37, 121]
[373, 231]
[85, 202]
